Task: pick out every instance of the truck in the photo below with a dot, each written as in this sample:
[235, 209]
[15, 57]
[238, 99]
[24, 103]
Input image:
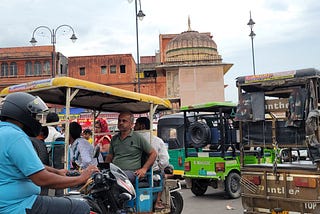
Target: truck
[279, 119]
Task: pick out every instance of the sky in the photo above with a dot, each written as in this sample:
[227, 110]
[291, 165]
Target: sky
[287, 31]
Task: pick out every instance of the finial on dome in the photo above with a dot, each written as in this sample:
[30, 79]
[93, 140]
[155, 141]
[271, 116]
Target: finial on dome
[189, 24]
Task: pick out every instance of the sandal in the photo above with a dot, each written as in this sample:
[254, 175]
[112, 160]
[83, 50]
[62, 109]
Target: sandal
[159, 206]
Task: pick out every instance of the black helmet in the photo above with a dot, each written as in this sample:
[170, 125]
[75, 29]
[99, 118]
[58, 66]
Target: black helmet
[23, 107]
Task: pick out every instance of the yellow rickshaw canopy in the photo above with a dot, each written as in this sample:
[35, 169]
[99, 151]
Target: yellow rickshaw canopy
[89, 95]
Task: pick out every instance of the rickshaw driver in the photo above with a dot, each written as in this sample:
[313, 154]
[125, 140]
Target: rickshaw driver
[127, 147]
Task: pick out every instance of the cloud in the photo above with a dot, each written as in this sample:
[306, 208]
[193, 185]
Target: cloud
[286, 31]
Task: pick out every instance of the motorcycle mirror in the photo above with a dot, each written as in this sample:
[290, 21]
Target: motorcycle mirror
[96, 152]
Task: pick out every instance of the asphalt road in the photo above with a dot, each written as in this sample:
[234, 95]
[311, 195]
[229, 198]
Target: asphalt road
[212, 202]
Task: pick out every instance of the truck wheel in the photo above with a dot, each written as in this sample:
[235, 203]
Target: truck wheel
[200, 134]
[198, 187]
[233, 187]
[176, 203]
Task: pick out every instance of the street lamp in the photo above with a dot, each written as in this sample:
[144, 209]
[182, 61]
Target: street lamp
[53, 32]
[139, 15]
[252, 35]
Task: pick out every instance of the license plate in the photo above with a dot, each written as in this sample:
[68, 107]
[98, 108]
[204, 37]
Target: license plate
[282, 212]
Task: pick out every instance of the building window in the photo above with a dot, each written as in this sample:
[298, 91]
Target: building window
[28, 69]
[46, 67]
[82, 71]
[4, 69]
[113, 69]
[37, 68]
[103, 69]
[13, 69]
[150, 73]
[122, 69]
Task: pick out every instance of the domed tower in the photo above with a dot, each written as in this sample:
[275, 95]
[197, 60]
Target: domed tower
[192, 66]
[192, 47]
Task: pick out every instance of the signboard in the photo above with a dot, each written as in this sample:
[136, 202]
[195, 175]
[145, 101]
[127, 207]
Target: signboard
[31, 85]
[270, 76]
[277, 105]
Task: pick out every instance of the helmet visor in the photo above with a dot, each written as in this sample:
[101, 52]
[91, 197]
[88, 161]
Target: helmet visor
[37, 106]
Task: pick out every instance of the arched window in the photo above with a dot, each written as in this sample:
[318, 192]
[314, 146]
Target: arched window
[4, 69]
[28, 69]
[46, 67]
[13, 69]
[37, 68]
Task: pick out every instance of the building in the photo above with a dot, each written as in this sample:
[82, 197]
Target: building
[193, 67]
[24, 64]
[117, 70]
[187, 69]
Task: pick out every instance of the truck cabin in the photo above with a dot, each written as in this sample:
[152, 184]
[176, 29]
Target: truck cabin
[273, 112]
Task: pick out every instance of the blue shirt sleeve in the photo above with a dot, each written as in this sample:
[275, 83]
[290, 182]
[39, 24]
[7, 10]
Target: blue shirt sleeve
[24, 156]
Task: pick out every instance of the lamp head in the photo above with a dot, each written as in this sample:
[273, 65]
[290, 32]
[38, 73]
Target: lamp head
[73, 38]
[140, 15]
[33, 41]
[251, 22]
[252, 34]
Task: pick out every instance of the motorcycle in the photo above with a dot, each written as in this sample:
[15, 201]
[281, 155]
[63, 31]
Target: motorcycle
[110, 191]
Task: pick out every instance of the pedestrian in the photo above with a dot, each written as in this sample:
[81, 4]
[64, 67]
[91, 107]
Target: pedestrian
[102, 136]
[54, 134]
[81, 151]
[87, 134]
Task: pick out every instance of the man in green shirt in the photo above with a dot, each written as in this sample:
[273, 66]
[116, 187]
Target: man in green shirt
[127, 148]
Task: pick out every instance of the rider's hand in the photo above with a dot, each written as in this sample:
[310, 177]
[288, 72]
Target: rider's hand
[62, 172]
[140, 172]
[86, 173]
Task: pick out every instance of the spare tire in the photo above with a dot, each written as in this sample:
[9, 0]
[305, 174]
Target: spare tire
[200, 134]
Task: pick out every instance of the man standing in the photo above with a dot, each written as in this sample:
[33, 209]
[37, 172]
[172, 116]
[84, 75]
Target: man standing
[21, 170]
[127, 147]
[162, 161]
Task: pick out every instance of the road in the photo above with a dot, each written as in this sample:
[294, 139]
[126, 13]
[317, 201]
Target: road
[212, 202]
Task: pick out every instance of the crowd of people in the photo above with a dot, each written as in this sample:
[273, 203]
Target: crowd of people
[23, 141]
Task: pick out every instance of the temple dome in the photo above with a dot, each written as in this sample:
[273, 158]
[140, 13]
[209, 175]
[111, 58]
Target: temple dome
[192, 47]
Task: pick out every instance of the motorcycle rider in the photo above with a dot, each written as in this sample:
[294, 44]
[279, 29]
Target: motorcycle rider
[21, 170]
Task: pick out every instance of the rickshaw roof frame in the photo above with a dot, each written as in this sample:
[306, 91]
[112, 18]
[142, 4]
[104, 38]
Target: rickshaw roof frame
[90, 95]
[210, 107]
[73, 92]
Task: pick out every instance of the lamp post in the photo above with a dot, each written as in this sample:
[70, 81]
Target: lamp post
[53, 32]
[252, 35]
[139, 15]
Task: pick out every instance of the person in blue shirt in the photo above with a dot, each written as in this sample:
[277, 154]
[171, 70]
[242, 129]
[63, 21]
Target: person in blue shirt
[21, 171]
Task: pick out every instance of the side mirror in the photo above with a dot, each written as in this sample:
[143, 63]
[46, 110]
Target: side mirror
[169, 170]
[96, 151]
